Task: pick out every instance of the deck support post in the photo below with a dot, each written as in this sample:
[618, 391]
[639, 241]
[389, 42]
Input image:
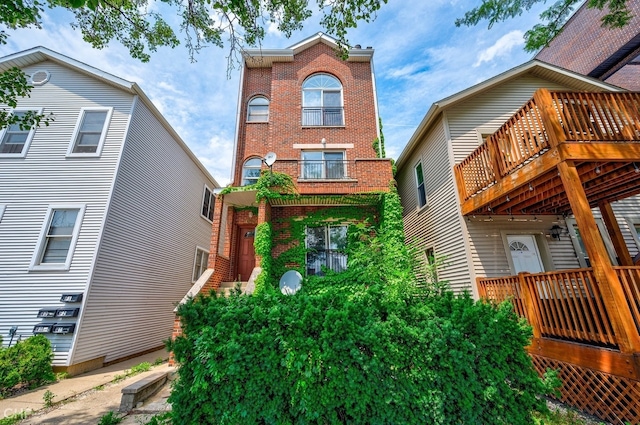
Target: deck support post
[606, 277]
[527, 296]
[614, 233]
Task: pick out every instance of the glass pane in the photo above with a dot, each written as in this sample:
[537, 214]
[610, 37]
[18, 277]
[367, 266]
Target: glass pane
[332, 99]
[93, 121]
[251, 173]
[56, 249]
[16, 138]
[338, 237]
[419, 175]
[311, 98]
[259, 101]
[312, 156]
[334, 156]
[62, 222]
[254, 162]
[88, 140]
[316, 238]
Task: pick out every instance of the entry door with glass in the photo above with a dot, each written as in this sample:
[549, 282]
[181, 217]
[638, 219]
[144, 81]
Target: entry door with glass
[525, 254]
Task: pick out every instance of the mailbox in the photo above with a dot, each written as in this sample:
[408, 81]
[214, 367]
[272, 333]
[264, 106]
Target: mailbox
[63, 328]
[43, 328]
[67, 312]
[71, 298]
[46, 313]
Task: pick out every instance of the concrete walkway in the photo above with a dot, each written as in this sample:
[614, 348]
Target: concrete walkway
[100, 398]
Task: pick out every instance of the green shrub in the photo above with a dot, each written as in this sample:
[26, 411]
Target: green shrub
[110, 418]
[362, 357]
[27, 363]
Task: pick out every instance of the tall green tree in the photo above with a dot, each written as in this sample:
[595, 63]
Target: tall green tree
[552, 19]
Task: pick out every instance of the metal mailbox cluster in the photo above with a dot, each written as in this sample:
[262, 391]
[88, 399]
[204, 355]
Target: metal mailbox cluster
[59, 313]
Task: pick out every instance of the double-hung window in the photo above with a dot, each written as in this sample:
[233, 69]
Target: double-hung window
[422, 194]
[326, 247]
[208, 203]
[323, 165]
[15, 139]
[90, 132]
[322, 101]
[58, 238]
[258, 109]
[251, 171]
[200, 263]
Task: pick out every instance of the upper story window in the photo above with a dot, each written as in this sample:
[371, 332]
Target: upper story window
[422, 194]
[322, 101]
[208, 202]
[15, 139]
[258, 109]
[251, 171]
[323, 165]
[58, 238]
[90, 132]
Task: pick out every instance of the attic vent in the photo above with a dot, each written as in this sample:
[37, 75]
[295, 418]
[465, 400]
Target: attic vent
[40, 77]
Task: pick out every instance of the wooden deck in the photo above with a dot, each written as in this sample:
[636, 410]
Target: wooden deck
[514, 170]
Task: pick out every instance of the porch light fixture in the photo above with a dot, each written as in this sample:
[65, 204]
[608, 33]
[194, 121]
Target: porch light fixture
[598, 169]
[635, 168]
[508, 198]
[530, 187]
[555, 231]
[323, 141]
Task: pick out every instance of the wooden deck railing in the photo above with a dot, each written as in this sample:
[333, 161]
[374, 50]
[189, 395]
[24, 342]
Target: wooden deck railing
[582, 117]
[565, 305]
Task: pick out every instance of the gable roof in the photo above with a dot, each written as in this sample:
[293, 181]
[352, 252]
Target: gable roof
[264, 58]
[40, 54]
[534, 67]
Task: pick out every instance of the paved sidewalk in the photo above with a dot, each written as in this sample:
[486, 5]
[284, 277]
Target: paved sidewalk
[70, 387]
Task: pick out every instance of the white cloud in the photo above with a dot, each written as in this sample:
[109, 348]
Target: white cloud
[501, 48]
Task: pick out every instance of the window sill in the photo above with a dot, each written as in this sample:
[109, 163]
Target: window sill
[82, 155]
[324, 126]
[206, 219]
[49, 267]
[327, 180]
[419, 210]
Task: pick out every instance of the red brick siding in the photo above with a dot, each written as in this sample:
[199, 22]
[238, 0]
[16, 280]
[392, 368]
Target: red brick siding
[584, 43]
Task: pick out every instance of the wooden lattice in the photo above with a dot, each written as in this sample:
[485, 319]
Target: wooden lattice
[611, 398]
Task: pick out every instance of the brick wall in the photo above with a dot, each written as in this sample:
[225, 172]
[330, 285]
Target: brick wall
[584, 44]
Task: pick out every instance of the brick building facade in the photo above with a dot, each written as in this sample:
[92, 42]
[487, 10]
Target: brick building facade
[318, 114]
[586, 47]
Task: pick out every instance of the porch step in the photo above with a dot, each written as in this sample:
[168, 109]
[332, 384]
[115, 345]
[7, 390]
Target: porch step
[225, 288]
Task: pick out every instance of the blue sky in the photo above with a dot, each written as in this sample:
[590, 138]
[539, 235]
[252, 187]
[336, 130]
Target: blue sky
[420, 57]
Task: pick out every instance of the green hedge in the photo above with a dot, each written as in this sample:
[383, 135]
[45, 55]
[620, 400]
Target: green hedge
[26, 363]
[325, 357]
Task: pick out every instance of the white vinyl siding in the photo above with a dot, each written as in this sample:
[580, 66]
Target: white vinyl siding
[90, 132]
[145, 262]
[58, 238]
[47, 177]
[15, 141]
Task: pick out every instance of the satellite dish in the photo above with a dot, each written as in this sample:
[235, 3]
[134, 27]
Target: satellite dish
[290, 282]
[270, 158]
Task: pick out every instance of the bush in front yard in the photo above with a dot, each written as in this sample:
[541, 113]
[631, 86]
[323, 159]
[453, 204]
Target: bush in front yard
[26, 363]
[326, 356]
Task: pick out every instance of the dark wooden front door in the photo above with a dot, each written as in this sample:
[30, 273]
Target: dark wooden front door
[246, 253]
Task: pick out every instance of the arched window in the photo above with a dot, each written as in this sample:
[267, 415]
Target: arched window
[322, 101]
[258, 110]
[251, 171]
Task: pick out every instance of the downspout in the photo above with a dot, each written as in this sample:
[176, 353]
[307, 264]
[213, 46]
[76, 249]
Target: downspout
[375, 105]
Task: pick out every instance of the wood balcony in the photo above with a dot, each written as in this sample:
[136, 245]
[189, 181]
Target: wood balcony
[515, 170]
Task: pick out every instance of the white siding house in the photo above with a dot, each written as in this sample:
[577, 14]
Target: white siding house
[479, 246]
[106, 202]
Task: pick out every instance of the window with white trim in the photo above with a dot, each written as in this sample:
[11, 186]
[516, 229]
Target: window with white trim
[251, 171]
[200, 263]
[326, 246]
[322, 101]
[2, 207]
[422, 193]
[58, 238]
[323, 165]
[15, 139]
[90, 132]
[208, 203]
[258, 109]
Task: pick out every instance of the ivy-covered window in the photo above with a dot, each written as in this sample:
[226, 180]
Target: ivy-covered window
[326, 247]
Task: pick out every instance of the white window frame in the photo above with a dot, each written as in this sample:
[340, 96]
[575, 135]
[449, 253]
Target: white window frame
[424, 185]
[203, 266]
[264, 117]
[322, 90]
[582, 256]
[212, 202]
[252, 167]
[39, 251]
[27, 142]
[323, 175]
[103, 134]
[2, 208]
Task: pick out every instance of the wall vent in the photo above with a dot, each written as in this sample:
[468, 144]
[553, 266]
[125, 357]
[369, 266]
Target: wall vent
[39, 77]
